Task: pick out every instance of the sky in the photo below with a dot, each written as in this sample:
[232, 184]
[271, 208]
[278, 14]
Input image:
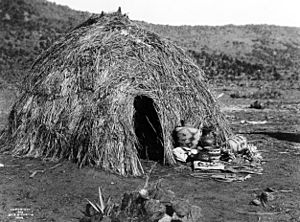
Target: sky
[198, 12]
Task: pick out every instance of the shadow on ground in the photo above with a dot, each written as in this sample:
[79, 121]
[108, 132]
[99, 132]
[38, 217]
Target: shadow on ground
[290, 137]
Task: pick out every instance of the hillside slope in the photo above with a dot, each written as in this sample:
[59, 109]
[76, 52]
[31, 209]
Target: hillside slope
[264, 46]
[256, 43]
[27, 28]
[225, 52]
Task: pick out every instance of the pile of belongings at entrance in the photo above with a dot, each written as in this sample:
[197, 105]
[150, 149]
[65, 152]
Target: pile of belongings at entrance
[232, 160]
[150, 203]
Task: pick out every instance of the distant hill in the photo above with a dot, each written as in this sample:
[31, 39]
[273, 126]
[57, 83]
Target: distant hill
[224, 52]
[251, 50]
[27, 28]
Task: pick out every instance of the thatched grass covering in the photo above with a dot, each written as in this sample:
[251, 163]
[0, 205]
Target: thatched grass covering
[78, 102]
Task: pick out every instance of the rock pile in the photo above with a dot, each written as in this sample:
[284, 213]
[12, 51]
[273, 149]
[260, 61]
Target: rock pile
[152, 203]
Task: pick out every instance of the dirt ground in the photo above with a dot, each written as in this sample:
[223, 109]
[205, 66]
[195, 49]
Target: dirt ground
[59, 194]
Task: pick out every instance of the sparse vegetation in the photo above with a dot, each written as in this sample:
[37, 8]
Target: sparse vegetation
[269, 93]
[27, 28]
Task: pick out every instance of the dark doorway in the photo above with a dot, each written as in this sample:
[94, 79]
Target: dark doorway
[148, 130]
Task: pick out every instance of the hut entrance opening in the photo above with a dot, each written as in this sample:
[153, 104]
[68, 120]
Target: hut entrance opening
[148, 130]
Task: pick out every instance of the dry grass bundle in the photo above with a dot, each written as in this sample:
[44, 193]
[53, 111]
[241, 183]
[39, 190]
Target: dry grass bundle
[78, 102]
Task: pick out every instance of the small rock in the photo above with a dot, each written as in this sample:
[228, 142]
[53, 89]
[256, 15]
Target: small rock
[176, 218]
[271, 197]
[166, 218]
[154, 206]
[6, 17]
[266, 196]
[144, 193]
[257, 105]
[181, 208]
[256, 202]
